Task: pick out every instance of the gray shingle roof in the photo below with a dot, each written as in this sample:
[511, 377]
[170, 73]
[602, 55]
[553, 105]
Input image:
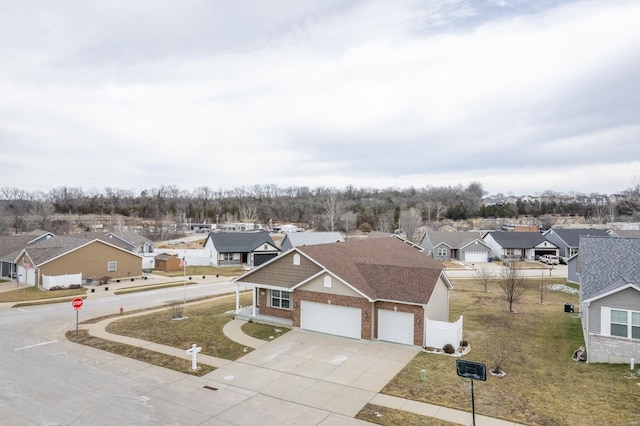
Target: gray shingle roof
[453, 239]
[518, 239]
[239, 242]
[310, 238]
[46, 250]
[607, 263]
[572, 236]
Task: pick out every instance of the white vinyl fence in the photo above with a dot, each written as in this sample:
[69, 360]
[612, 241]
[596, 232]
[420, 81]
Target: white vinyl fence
[62, 281]
[439, 333]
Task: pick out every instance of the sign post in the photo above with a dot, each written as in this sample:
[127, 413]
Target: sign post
[77, 304]
[471, 370]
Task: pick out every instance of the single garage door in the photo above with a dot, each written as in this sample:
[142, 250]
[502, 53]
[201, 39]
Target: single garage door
[395, 326]
[475, 256]
[259, 259]
[331, 319]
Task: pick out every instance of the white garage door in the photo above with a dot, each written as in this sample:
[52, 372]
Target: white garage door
[331, 319]
[475, 256]
[395, 326]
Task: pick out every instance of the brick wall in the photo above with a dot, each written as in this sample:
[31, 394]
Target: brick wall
[266, 309]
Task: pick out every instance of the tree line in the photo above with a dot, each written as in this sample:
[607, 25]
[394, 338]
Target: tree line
[319, 208]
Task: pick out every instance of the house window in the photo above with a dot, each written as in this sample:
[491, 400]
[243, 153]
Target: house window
[112, 266]
[296, 259]
[280, 299]
[227, 256]
[625, 323]
[510, 253]
[442, 252]
[327, 281]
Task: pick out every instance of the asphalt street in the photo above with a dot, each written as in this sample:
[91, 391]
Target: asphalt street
[44, 379]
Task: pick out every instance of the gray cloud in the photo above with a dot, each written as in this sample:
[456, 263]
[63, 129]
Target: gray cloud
[522, 96]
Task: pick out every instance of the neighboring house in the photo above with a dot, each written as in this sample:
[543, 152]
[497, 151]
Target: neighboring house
[131, 241]
[567, 240]
[624, 233]
[518, 245]
[64, 261]
[247, 249]
[10, 246]
[367, 289]
[609, 271]
[572, 269]
[167, 262]
[298, 239]
[462, 246]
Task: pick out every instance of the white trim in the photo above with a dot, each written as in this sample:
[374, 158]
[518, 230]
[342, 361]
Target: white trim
[605, 321]
[610, 292]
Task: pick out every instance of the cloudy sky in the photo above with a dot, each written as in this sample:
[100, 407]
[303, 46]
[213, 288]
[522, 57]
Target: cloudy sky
[521, 96]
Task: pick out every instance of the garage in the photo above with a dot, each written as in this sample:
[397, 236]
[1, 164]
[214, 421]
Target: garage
[475, 256]
[396, 327]
[331, 319]
[259, 259]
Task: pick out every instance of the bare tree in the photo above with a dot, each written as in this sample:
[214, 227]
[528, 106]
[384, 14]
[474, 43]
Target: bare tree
[501, 349]
[248, 212]
[410, 222]
[512, 284]
[331, 209]
[484, 276]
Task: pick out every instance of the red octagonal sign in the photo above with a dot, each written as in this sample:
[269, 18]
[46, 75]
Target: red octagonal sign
[77, 303]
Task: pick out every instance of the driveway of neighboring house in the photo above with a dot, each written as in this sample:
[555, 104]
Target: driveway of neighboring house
[331, 373]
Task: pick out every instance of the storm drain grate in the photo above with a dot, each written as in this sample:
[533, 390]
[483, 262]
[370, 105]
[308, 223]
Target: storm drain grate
[210, 388]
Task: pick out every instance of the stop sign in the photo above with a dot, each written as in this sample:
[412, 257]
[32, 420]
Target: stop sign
[77, 303]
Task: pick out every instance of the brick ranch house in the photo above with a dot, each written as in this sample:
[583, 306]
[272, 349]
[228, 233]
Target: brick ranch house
[371, 289]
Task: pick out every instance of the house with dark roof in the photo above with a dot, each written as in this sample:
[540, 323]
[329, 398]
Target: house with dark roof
[245, 249]
[64, 261]
[456, 245]
[132, 241]
[367, 289]
[568, 240]
[10, 246]
[609, 271]
[296, 239]
[518, 245]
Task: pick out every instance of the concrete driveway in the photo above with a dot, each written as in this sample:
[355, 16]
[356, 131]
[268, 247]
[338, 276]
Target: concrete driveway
[329, 373]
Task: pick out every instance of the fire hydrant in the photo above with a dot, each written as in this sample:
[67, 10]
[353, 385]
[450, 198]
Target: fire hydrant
[121, 310]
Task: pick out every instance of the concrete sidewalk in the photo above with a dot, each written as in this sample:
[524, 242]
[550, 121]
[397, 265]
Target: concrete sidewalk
[233, 330]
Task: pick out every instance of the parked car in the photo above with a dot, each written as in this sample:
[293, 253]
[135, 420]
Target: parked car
[549, 259]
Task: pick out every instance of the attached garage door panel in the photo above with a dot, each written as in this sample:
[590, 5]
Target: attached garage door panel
[331, 319]
[395, 326]
[259, 259]
[475, 256]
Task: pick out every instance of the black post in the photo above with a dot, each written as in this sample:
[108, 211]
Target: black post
[473, 404]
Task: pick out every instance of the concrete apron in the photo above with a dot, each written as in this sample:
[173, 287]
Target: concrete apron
[330, 373]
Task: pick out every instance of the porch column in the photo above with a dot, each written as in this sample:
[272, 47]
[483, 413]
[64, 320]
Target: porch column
[237, 298]
[253, 308]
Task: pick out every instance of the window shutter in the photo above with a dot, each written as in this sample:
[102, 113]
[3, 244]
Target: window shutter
[605, 321]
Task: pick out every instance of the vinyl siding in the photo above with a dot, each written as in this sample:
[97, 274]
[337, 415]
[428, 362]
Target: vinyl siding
[628, 299]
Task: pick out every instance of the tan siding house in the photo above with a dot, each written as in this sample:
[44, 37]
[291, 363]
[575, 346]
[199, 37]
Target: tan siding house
[94, 259]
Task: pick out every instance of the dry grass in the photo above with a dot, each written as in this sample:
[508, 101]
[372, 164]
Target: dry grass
[31, 293]
[167, 361]
[203, 326]
[263, 331]
[390, 417]
[543, 384]
[230, 271]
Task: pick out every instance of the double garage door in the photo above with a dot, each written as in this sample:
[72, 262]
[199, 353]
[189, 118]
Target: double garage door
[344, 321]
[475, 256]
